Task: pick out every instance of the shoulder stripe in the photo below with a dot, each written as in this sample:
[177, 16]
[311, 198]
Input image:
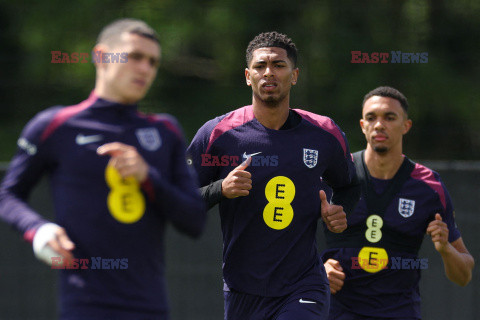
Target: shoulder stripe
[232, 120]
[66, 113]
[326, 124]
[426, 175]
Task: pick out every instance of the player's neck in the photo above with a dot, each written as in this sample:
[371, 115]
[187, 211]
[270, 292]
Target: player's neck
[102, 92]
[383, 165]
[272, 117]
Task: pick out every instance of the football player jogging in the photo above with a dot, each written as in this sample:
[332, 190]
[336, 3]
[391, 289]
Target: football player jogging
[373, 267]
[266, 165]
[117, 178]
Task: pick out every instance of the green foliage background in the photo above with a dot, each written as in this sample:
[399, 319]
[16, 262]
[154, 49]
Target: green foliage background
[203, 48]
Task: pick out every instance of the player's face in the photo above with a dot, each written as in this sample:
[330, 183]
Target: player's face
[271, 75]
[129, 82]
[384, 122]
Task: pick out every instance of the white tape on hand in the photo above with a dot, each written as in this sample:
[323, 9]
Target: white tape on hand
[42, 250]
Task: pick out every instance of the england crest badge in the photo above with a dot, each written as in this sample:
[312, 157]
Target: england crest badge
[310, 157]
[149, 138]
[406, 207]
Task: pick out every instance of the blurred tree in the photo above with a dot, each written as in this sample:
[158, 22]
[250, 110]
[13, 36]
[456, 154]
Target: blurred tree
[203, 60]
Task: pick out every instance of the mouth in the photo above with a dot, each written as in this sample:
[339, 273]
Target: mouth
[380, 137]
[269, 86]
[140, 82]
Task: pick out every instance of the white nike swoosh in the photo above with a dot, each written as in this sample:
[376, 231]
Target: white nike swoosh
[81, 139]
[305, 301]
[246, 156]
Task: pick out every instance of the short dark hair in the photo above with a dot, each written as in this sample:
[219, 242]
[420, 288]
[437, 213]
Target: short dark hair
[389, 92]
[272, 39]
[110, 34]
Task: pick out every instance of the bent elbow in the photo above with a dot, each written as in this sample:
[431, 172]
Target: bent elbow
[193, 224]
[196, 233]
[194, 230]
[465, 281]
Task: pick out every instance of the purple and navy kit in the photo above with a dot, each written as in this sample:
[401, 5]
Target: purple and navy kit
[291, 307]
[379, 250]
[105, 216]
[269, 246]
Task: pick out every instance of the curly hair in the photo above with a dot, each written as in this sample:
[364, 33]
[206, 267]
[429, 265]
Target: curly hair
[272, 39]
[389, 92]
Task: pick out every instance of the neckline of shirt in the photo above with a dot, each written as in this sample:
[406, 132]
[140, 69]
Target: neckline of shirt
[293, 121]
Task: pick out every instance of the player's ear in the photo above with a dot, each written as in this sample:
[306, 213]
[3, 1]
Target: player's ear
[295, 76]
[362, 125]
[407, 125]
[247, 77]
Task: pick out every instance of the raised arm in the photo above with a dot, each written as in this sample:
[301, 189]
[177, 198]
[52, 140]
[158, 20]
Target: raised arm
[457, 261]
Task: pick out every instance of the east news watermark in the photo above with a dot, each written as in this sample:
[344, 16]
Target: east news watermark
[94, 263]
[389, 57]
[83, 57]
[397, 263]
[258, 160]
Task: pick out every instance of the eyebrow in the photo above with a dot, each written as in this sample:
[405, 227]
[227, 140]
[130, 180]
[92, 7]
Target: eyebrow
[274, 61]
[389, 113]
[143, 55]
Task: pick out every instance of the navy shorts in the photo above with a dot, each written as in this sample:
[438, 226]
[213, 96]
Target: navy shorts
[337, 313]
[306, 305]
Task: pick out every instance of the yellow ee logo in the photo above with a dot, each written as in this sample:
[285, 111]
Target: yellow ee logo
[374, 232]
[125, 201]
[278, 213]
[372, 259]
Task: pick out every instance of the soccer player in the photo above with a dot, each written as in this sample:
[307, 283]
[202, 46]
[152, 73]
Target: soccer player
[117, 177]
[373, 267]
[266, 164]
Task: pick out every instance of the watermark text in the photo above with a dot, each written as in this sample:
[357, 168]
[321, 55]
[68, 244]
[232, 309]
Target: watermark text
[209, 160]
[389, 57]
[82, 57]
[397, 263]
[94, 263]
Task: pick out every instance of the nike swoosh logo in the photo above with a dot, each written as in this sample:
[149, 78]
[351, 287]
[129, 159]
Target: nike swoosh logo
[246, 156]
[305, 301]
[81, 139]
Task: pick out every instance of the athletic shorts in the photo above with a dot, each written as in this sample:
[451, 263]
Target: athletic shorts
[337, 313]
[306, 305]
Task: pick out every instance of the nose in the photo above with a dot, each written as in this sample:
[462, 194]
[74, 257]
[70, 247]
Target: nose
[378, 124]
[268, 72]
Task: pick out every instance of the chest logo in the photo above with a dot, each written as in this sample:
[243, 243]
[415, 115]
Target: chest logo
[374, 228]
[372, 259]
[310, 157]
[246, 156]
[149, 138]
[406, 207]
[125, 201]
[280, 192]
[81, 139]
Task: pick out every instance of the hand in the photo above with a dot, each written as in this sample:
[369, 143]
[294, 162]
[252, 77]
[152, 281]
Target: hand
[51, 241]
[333, 216]
[238, 182]
[438, 230]
[335, 275]
[126, 159]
